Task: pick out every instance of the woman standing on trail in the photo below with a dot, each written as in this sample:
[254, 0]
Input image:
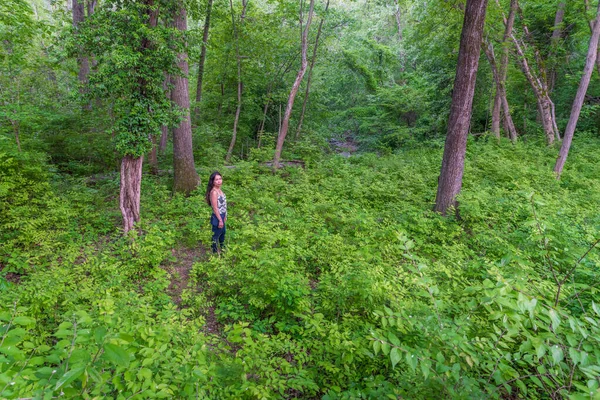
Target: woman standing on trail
[217, 200]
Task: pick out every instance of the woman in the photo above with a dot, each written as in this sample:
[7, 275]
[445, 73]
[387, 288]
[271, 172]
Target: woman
[217, 200]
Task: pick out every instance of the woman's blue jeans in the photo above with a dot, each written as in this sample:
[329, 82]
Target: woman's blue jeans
[218, 233]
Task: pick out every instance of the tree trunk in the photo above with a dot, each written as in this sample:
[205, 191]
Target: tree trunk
[202, 60]
[554, 42]
[290, 103]
[82, 61]
[239, 72]
[453, 163]
[500, 98]
[499, 101]
[164, 130]
[129, 198]
[591, 24]
[310, 70]
[153, 161]
[15, 125]
[184, 170]
[545, 105]
[579, 97]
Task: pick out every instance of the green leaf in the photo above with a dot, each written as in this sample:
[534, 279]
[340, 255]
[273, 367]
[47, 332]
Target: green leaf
[23, 321]
[69, 377]
[376, 346]
[412, 361]
[385, 348]
[394, 339]
[425, 367]
[395, 356]
[557, 354]
[555, 319]
[116, 354]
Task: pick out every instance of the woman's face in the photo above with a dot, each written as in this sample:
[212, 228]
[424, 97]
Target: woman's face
[218, 181]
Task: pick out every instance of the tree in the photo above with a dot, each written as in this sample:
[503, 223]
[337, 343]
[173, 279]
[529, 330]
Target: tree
[133, 53]
[579, 97]
[240, 85]
[310, 70]
[500, 73]
[202, 60]
[538, 82]
[453, 163]
[290, 103]
[184, 170]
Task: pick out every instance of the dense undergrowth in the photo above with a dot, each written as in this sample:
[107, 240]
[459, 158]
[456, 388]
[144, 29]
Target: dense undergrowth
[339, 282]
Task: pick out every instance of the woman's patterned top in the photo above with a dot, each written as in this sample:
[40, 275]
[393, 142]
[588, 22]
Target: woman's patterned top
[222, 204]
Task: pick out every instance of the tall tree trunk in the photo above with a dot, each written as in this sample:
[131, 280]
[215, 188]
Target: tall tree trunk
[15, 125]
[555, 41]
[545, 105]
[131, 166]
[500, 96]
[153, 160]
[502, 72]
[290, 103]
[131, 183]
[310, 70]
[82, 61]
[184, 170]
[591, 24]
[239, 75]
[202, 60]
[579, 97]
[453, 163]
[164, 129]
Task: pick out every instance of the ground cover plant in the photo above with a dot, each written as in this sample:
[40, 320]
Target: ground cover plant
[339, 282]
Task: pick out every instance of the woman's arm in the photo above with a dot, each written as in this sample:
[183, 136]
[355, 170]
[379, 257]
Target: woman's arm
[213, 203]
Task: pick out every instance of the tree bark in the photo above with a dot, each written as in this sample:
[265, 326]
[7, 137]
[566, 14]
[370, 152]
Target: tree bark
[153, 160]
[184, 169]
[554, 42]
[290, 103]
[502, 72]
[453, 163]
[202, 60]
[310, 70]
[164, 130]
[500, 97]
[239, 72]
[82, 61]
[540, 89]
[591, 24]
[579, 97]
[15, 125]
[129, 198]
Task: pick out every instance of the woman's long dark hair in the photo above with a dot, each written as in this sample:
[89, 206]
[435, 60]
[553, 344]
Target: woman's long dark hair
[211, 183]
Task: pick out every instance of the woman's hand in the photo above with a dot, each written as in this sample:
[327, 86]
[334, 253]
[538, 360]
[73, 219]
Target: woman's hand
[221, 224]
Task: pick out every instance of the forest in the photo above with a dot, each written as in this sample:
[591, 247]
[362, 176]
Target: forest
[413, 188]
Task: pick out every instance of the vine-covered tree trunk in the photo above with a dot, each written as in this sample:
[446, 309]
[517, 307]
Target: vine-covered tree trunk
[184, 169]
[202, 60]
[453, 163]
[310, 70]
[579, 97]
[290, 103]
[131, 183]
